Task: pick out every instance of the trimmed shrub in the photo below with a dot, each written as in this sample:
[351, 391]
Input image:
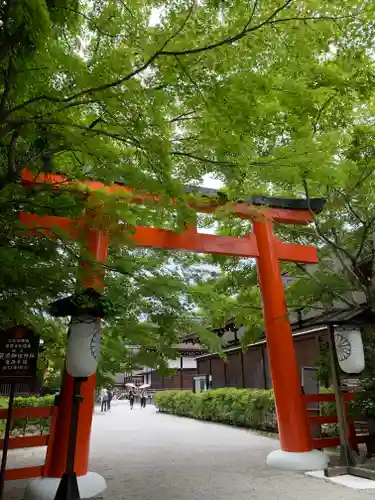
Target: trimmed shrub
[24, 426]
[252, 408]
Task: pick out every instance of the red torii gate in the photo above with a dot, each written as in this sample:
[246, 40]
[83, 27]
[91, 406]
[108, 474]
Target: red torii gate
[295, 437]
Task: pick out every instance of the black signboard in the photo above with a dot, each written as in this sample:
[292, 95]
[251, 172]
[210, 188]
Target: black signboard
[18, 354]
[18, 357]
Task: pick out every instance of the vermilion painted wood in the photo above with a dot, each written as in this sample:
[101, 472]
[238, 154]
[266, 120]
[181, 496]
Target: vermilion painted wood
[51, 225]
[332, 419]
[57, 448]
[316, 398]
[97, 247]
[149, 237]
[26, 442]
[32, 412]
[293, 424]
[330, 442]
[52, 432]
[24, 473]
[30, 441]
[292, 416]
[323, 419]
[195, 242]
[243, 210]
[290, 252]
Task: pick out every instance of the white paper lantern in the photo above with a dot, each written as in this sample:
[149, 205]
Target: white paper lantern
[349, 348]
[83, 346]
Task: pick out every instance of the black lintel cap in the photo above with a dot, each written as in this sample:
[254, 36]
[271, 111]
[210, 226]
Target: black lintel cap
[315, 205]
[89, 301]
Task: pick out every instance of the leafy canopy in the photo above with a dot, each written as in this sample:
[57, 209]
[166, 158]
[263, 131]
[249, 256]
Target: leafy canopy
[264, 96]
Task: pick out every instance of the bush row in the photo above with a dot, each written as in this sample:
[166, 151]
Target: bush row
[253, 408]
[23, 426]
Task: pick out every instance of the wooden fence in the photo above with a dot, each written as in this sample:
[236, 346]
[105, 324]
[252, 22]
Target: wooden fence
[319, 420]
[30, 441]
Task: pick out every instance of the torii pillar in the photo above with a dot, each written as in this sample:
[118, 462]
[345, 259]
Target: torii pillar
[296, 451]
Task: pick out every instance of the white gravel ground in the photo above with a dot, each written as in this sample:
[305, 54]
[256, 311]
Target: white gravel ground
[145, 455]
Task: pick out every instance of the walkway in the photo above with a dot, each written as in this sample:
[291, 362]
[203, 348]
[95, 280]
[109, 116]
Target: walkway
[145, 455]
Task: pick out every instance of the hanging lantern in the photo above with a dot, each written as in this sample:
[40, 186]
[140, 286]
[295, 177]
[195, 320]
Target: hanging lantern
[349, 348]
[83, 346]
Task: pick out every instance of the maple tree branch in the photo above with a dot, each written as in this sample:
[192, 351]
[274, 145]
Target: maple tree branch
[339, 249]
[199, 158]
[16, 124]
[319, 230]
[230, 39]
[363, 178]
[324, 287]
[32, 101]
[252, 15]
[366, 228]
[196, 86]
[106, 86]
[269, 21]
[12, 170]
[351, 209]
[128, 10]
[88, 18]
[7, 86]
[184, 116]
[161, 52]
[138, 70]
[319, 114]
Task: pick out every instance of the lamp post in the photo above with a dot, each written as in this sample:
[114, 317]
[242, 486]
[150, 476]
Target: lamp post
[81, 362]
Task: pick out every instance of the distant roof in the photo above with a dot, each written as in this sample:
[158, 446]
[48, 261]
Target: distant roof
[355, 316]
[359, 315]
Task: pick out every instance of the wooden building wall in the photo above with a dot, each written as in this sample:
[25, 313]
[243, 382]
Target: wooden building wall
[251, 368]
[179, 380]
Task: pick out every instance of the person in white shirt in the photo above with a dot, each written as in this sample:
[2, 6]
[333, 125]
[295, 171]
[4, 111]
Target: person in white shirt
[143, 399]
[104, 400]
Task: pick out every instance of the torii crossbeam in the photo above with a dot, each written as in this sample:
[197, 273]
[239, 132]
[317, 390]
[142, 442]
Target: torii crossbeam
[295, 436]
[189, 240]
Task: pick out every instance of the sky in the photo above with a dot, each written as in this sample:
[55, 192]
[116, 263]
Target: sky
[211, 182]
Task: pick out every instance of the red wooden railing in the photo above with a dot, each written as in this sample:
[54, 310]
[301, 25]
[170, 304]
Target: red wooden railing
[30, 441]
[327, 442]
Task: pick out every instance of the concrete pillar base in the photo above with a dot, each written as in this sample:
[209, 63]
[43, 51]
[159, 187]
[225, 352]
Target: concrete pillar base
[303, 461]
[44, 488]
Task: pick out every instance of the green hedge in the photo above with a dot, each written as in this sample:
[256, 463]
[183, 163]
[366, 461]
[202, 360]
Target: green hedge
[253, 408]
[24, 426]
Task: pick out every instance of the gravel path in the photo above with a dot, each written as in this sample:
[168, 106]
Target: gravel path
[145, 455]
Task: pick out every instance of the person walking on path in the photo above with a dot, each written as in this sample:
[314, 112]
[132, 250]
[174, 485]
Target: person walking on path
[143, 399]
[104, 399]
[110, 397]
[131, 398]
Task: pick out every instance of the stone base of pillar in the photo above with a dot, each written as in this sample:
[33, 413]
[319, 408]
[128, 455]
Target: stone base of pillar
[44, 488]
[303, 461]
